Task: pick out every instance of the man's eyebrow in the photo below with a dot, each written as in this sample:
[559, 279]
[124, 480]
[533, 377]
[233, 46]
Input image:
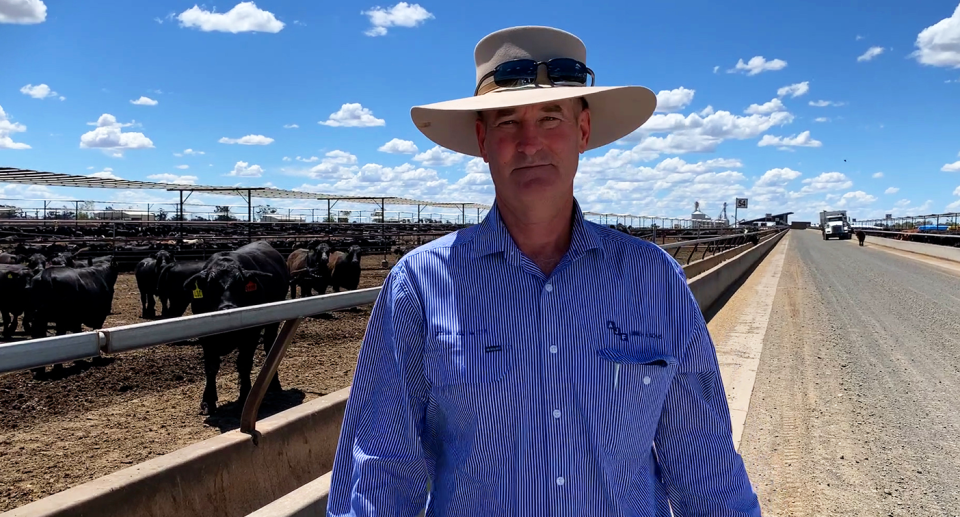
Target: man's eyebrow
[552, 108]
[505, 112]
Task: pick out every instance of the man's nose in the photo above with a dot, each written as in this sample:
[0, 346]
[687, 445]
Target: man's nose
[528, 139]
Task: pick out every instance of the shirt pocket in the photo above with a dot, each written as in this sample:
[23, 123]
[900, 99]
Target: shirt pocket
[465, 360]
[633, 385]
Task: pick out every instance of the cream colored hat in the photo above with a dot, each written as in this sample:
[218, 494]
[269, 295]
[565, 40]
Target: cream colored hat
[615, 111]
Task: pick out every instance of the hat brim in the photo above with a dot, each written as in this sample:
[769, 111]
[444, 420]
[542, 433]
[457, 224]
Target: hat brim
[615, 112]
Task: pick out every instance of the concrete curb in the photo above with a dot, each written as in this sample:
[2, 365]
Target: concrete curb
[918, 248]
[709, 286]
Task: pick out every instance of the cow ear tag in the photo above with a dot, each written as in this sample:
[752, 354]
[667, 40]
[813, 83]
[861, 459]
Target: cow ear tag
[9, 275]
[251, 286]
[197, 293]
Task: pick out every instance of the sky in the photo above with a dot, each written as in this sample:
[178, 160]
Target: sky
[798, 107]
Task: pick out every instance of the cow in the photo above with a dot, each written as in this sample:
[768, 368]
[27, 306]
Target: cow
[9, 258]
[345, 269]
[147, 273]
[70, 297]
[36, 262]
[174, 299]
[14, 279]
[309, 268]
[251, 275]
[861, 236]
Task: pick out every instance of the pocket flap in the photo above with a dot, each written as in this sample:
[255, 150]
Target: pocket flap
[635, 357]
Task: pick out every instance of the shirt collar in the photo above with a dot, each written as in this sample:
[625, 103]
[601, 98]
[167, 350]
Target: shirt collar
[493, 236]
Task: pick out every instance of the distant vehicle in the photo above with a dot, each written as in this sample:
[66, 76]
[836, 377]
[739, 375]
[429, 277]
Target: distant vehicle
[933, 227]
[834, 223]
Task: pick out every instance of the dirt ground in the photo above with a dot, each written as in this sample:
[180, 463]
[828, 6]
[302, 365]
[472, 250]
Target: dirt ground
[97, 419]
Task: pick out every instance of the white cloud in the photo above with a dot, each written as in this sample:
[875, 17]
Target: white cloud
[828, 181]
[400, 15]
[877, 175]
[244, 17]
[780, 176]
[308, 160]
[182, 167]
[245, 170]
[859, 37]
[106, 173]
[144, 101]
[802, 140]
[24, 12]
[939, 44]
[891, 190]
[951, 167]
[794, 90]
[823, 104]
[7, 128]
[290, 126]
[716, 69]
[766, 108]
[857, 198]
[674, 100]
[109, 136]
[438, 157]
[173, 178]
[758, 64]
[871, 53]
[188, 152]
[286, 158]
[40, 91]
[696, 133]
[397, 146]
[340, 157]
[822, 119]
[248, 140]
[353, 115]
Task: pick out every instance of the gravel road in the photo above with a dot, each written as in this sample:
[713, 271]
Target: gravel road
[855, 406]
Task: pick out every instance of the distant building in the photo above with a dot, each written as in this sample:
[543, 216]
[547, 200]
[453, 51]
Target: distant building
[775, 219]
[8, 212]
[124, 215]
[276, 218]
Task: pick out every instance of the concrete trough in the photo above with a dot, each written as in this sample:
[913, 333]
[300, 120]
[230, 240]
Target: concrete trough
[287, 475]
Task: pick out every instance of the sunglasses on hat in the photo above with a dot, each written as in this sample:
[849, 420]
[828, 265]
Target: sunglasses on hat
[522, 72]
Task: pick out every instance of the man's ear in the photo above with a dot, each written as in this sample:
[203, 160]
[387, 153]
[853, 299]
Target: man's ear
[481, 129]
[584, 124]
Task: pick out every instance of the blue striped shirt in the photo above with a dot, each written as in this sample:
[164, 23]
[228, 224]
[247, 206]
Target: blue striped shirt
[484, 387]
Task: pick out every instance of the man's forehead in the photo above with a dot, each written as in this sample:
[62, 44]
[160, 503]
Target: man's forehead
[546, 107]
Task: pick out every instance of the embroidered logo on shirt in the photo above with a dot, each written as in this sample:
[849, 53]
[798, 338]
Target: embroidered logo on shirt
[625, 336]
[493, 348]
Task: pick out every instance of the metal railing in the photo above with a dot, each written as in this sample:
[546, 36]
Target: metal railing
[712, 246]
[41, 352]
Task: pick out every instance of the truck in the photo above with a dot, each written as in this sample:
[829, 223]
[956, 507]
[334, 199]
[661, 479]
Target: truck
[834, 223]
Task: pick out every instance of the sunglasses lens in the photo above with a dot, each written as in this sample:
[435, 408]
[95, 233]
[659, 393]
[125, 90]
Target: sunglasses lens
[567, 70]
[516, 73]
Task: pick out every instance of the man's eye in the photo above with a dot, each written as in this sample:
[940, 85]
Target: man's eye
[505, 122]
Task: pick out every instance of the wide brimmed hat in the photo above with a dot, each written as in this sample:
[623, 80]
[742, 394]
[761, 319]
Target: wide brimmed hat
[615, 111]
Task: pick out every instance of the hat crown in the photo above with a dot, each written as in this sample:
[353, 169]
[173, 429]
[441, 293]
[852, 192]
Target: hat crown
[527, 42]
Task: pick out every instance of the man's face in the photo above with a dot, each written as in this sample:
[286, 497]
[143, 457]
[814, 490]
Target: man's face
[533, 151]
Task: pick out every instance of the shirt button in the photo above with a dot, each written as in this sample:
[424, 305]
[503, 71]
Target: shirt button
[646, 380]
[556, 413]
[553, 349]
[548, 287]
[560, 481]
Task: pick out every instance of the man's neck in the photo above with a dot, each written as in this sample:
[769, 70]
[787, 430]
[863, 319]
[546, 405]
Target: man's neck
[544, 236]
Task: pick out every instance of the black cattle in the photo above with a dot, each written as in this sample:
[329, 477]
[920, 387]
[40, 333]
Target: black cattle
[174, 299]
[36, 262]
[111, 274]
[70, 297]
[9, 258]
[861, 236]
[253, 274]
[309, 269]
[14, 279]
[345, 269]
[147, 273]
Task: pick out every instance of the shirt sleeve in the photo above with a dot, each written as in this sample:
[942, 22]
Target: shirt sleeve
[379, 468]
[701, 470]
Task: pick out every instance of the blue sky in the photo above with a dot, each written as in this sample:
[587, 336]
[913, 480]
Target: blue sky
[347, 73]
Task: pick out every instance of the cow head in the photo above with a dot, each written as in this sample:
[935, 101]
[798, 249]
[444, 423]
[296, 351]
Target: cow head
[163, 257]
[317, 261]
[225, 285]
[353, 254]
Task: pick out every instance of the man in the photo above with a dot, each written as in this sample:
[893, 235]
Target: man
[537, 363]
